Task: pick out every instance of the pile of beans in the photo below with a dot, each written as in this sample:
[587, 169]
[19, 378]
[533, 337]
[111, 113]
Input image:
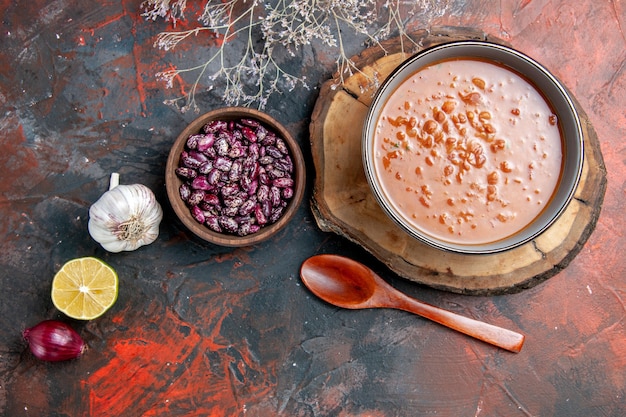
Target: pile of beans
[237, 176]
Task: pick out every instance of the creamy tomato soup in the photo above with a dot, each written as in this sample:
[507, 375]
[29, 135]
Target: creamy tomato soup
[468, 151]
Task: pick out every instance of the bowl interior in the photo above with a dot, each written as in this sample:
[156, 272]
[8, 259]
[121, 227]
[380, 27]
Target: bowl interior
[554, 93]
[173, 182]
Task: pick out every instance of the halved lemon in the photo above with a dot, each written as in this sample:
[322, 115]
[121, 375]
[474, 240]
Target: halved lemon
[84, 288]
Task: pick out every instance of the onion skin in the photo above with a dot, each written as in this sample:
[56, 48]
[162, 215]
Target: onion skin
[54, 341]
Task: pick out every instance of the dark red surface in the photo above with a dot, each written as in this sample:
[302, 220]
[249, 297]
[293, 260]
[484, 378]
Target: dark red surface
[210, 331]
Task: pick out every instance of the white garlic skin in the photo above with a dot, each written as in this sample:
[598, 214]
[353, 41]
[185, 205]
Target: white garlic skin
[125, 218]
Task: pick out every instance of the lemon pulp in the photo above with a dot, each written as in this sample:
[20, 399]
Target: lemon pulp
[84, 288]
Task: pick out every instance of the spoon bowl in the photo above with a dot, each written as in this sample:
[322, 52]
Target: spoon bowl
[346, 283]
[341, 282]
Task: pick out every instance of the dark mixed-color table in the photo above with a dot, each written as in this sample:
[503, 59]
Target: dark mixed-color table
[203, 330]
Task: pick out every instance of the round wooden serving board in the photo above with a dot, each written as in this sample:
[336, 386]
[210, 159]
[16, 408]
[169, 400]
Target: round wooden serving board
[343, 203]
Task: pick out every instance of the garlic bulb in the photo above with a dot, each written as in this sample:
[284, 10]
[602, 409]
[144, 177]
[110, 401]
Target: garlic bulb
[125, 218]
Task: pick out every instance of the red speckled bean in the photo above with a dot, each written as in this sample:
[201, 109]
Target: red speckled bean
[264, 193]
[273, 152]
[214, 176]
[192, 141]
[235, 171]
[223, 163]
[211, 199]
[269, 138]
[215, 126]
[185, 172]
[213, 224]
[264, 178]
[282, 146]
[277, 212]
[275, 196]
[205, 168]
[283, 182]
[247, 207]
[228, 223]
[260, 215]
[184, 191]
[287, 193]
[249, 134]
[275, 173]
[204, 142]
[284, 164]
[197, 214]
[229, 190]
[201, 183]
[250, 122]
[195, 198]
[190, 162]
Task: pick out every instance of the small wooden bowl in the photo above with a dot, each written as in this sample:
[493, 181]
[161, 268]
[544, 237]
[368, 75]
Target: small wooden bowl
[173, 182]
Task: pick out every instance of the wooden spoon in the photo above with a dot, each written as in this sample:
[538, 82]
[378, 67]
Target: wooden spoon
[346, 283]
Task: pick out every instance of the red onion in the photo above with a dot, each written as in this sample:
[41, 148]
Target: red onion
[53, 340]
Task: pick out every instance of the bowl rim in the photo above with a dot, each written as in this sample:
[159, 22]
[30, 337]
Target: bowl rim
[172, 182]
[573, 143]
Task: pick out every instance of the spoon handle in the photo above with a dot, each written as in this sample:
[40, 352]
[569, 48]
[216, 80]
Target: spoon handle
[497, 336]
